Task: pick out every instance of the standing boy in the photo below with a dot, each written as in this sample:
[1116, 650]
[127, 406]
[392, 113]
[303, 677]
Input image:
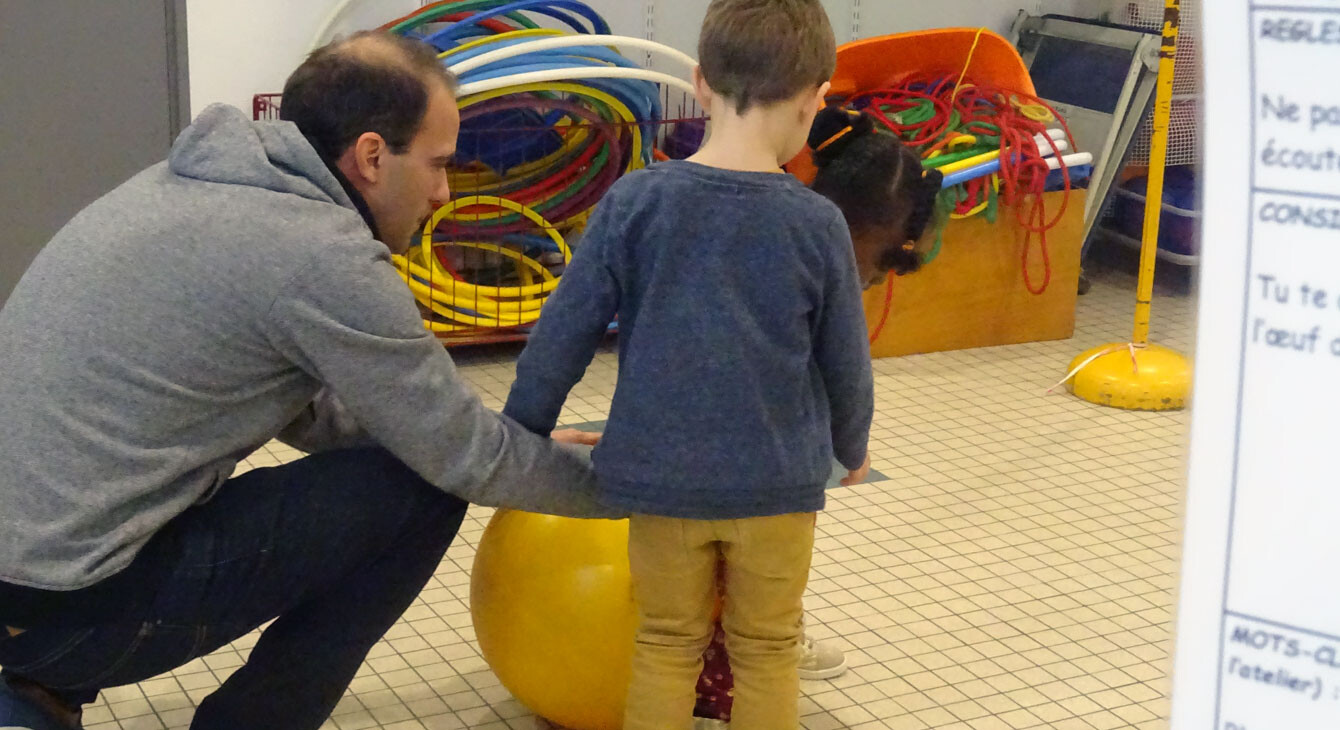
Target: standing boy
[744, 368]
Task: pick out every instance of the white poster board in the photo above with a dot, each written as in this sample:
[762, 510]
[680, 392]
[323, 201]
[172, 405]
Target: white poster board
[1258, 625]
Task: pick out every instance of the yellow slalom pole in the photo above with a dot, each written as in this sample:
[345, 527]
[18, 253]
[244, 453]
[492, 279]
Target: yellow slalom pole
[1158, 159]
[1136, 375]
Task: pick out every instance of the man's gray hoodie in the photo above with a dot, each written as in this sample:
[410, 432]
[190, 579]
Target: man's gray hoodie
[194, 312]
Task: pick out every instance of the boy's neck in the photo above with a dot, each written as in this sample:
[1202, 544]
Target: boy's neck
[746, 142]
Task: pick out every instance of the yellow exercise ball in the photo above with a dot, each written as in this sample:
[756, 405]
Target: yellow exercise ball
[552, 602]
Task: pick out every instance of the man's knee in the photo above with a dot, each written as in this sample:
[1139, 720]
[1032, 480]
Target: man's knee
[376, 471]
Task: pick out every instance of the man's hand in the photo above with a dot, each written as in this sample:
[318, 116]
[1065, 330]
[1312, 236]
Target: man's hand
[857, 476]
[573, 436]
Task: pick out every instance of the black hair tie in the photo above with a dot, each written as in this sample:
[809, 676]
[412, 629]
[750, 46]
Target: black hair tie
[834, 128]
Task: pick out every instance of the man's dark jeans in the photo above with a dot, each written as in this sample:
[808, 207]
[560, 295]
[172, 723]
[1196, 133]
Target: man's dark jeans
[336, 546]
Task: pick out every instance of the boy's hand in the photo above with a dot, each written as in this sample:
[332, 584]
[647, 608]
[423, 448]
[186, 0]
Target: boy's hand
[573, 436]
[857, 476]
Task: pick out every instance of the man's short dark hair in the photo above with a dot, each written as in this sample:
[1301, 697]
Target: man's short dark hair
[765, 51]
[372, 81]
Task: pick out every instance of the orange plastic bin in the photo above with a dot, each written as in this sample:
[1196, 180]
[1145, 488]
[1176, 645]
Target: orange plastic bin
[973, 294]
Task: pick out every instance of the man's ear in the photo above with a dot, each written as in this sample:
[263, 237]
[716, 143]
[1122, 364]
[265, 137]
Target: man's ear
[369, 156]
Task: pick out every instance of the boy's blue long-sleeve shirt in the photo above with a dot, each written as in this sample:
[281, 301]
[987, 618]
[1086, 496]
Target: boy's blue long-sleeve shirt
[744, 364]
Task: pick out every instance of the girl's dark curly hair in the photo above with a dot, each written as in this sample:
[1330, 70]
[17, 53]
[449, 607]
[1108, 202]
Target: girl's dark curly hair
[875, 180]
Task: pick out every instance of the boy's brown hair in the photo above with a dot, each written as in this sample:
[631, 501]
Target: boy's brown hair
[758, 52]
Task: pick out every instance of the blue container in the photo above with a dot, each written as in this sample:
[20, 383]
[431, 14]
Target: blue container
[1179, 225]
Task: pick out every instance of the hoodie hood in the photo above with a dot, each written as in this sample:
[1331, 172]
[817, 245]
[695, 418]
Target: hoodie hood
[223, 146]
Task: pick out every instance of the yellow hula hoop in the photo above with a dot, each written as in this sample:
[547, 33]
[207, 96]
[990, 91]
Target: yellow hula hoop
[523, 33]
[507, 314]
[450, 291]
[623, 112]
[495, 180]
[616, 107]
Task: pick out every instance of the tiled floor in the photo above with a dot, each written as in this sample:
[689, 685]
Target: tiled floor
[1015, 570]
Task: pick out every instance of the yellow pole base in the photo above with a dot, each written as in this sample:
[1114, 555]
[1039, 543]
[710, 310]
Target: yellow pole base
[1158, 380]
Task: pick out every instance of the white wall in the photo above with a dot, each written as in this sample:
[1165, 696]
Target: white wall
[677, 21]
[243, 47]
[237, 48]
[879, 17]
